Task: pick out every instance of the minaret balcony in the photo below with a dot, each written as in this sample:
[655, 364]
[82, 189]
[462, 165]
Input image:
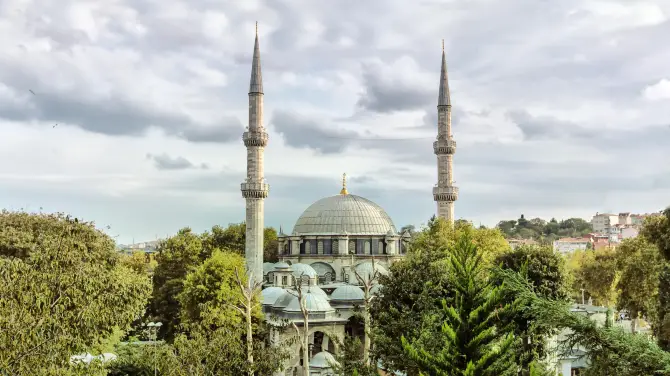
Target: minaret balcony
[255, 190]
[449, 193]
[441, 147]
[255, 138]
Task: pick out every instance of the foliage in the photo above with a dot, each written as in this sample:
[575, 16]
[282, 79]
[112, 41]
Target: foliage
[545, 271]
[609, 350]
[210, 293]
[63, 291]
[180, 253]
[656, 230]
[599, 275]
[270, 245]
[138, 262]
[574, 261]
[215, 352]
[176, 257]
[541, 230]
[475, 341]
[640, 264]
[350, 359]
[413, 289]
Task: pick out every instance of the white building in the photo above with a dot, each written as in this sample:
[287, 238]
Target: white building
[603, 221]
[567, 245]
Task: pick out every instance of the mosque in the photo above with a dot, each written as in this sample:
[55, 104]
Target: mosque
[337, 243]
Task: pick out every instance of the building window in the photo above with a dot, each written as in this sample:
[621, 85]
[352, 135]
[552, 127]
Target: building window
[302, 248]
[327, 247]
[360, 246]
[312, 247]
[284, 280]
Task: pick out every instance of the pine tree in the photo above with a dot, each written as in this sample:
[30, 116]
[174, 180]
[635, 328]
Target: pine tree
[475, 342]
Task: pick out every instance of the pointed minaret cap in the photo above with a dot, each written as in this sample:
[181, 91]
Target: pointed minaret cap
[256, 84]
[444, 99]
[343, 191]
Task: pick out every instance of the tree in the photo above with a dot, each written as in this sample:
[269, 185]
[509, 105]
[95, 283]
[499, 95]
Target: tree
[656, 230]
[600, 276]
[415, 287]
[210, 295]
[138, 262]
[640, 264]
[249, 302]
[303, 334]
[63, 291]
[474, 339]
[271, 245]
[609, 350]
[545, 271]
[367, 281]
[176, 256]
[350, 360]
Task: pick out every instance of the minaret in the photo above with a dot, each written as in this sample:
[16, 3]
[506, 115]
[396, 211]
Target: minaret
[444, 192]
[254, 189]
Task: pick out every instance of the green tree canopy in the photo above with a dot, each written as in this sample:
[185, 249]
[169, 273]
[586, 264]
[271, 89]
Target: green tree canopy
[63, 291]
[474, 340]
[541, 230]
[211, 292]
[416, 286]
[545, 271]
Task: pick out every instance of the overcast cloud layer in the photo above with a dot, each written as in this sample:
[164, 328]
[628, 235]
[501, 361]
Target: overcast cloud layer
[130, 112]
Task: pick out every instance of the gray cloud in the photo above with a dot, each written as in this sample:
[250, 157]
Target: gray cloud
[165, 162]
[385, 95]
[302, 132]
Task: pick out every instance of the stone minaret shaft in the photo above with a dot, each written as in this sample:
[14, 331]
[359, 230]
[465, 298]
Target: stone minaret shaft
[254, 189]
[444, 193]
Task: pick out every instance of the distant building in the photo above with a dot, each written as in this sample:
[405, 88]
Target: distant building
[567, 245]
[603, 221]
[629, 232]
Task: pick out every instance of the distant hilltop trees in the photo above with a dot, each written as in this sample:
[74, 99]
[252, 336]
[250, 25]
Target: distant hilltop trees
[543, 231]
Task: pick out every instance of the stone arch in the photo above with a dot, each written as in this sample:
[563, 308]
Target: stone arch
[321, 342]
[325, 271]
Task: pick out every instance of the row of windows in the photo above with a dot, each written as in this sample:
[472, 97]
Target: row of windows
[356, 246]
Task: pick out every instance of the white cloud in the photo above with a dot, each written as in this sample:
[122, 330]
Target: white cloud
[657, 91]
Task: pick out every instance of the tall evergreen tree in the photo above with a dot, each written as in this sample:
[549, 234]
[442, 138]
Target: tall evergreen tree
[475, 339]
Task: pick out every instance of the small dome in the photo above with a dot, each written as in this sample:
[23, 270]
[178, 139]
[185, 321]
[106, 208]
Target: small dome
[347, 292]
[323, 359]
[268, 267]
[366, 271]
[284, 299]
[314, 303]
[271, 294]
[303, 269]
[281, 265]
[316, 290]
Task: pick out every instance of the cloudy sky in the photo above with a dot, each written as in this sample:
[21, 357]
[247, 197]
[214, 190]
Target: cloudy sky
[130, 112]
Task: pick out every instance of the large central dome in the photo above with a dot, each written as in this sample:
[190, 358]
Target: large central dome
[344, 213]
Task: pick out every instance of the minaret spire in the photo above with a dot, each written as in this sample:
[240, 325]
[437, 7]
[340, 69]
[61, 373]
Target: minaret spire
[444, 192]
[256, 84]
[255, 189]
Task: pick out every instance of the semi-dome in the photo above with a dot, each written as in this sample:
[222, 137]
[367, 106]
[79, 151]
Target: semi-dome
[323, 359]
[344, 214]
[318, 291]
[284, 299]
[314, 303]
[347, 293]
[303, 270]
[366, 271]
[271, 294]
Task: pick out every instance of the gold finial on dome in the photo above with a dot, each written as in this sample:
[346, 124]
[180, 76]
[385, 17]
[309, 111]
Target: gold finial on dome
[344, 185]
